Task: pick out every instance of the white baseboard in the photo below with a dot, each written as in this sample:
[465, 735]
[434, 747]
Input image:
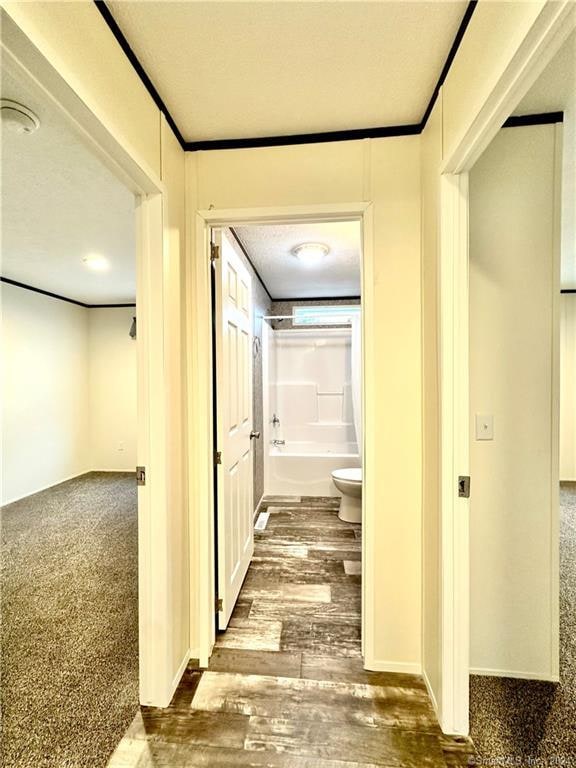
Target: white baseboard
[431, 693]
[65, 480]
[131, 471]
[403, 667]
[179, 672]
[257, 510]
[46, 487]
[517, 675]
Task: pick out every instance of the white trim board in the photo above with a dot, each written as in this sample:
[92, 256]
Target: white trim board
[179, 672]
[257, 507]
[47, 487]
[515, 674]
[202, 587]
[400, 667]
[532, 54]
[430, 691]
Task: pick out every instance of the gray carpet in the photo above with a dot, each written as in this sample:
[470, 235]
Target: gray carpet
[69, 622]
[534, 723]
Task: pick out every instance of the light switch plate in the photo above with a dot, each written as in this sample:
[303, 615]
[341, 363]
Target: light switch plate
[484, 426]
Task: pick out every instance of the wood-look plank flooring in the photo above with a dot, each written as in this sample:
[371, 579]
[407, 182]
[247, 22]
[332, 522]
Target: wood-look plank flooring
[286, 687]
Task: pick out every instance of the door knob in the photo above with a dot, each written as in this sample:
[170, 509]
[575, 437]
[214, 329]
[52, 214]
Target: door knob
[254, 434]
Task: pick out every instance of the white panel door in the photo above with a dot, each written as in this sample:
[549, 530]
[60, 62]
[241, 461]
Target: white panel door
[235, 534]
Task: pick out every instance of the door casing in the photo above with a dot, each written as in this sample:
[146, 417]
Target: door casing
[203, 589]
[552, 27]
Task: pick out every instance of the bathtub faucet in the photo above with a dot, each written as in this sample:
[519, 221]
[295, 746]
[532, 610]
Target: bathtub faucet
[275, 420]
[278, 442]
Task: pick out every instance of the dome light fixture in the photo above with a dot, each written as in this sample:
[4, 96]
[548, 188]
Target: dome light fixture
[310, 253]
[96, 262]
[17, 118]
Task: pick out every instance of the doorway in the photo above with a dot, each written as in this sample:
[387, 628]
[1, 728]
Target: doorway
[286, 429]
[69, 497]
[155, 615]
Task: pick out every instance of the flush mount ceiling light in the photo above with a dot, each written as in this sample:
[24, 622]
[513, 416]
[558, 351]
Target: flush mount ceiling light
[17, 118]
[310, 253]
[96, 262]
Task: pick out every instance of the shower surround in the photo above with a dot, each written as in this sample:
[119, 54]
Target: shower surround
[307, 386]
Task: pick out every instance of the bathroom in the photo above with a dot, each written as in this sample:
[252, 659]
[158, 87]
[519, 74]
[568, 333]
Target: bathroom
[294, 582]
[306, 346]
[311, 386]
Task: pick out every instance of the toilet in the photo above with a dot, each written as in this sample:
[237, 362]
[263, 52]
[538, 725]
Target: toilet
[349, 483]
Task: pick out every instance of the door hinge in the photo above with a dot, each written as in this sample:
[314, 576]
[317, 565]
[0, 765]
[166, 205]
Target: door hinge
[464, 487]
[140, 475]
[218, 604]
[214, 251]
[217, 457]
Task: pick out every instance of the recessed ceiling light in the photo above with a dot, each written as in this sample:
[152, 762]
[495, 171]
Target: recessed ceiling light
[310, 253]
[96, 262]
[17, 118]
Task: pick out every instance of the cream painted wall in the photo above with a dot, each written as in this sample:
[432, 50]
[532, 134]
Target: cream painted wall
[568, 386]
[431, 158]
[514, 285]
[44, 392]
[112, 390]
[385, 172]
[69, 391]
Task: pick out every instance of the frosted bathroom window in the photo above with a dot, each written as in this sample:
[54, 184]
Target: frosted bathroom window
[338, 314]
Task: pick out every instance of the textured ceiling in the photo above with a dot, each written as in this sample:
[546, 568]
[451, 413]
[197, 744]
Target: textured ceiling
[554, 91]
[59, 204]
[286, 277]
[253, 69]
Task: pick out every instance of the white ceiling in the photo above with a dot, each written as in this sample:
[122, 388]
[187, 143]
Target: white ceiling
[286, 277]
[59, 204]
[555, 91]
[253, 69]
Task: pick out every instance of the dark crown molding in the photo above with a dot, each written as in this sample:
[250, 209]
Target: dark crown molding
[32, 288]
[324, 136]
[544, 118]
[304, 138]
[139, 69]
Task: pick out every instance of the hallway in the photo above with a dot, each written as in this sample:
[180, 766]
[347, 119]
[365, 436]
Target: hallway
[286, 687]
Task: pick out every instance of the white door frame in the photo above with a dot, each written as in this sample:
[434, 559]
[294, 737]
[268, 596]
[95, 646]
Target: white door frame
[551, 28]
[202, 587]
[22, 57]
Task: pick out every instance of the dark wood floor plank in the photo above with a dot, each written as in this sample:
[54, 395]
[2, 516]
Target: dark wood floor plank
[286, 686]
[352, 670]
[324, 702]
[380, 746]
[252, 662]
[285, 610]
[261, 635]
[140, 754]
[190, 726]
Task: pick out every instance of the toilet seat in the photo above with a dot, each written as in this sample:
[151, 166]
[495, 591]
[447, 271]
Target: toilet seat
[349, 475]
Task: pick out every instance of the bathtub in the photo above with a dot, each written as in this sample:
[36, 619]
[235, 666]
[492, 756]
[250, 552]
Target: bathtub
[301, 468]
